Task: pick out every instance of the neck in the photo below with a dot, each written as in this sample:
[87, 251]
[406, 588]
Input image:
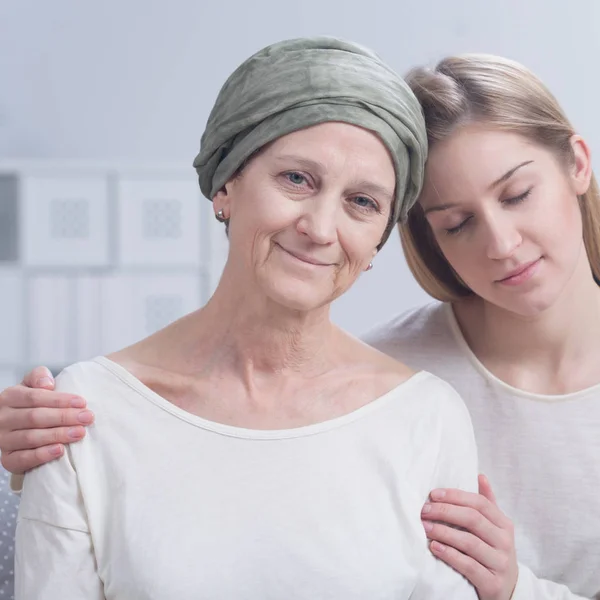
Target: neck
[554, 345]
[245, 333]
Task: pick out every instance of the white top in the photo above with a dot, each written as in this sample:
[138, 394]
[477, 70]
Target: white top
[541, 453]
[158, 503]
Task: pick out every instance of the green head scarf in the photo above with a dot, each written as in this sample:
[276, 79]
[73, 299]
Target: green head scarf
[302, 82]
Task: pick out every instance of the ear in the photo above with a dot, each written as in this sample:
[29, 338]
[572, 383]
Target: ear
[581, 173]
[222, 199]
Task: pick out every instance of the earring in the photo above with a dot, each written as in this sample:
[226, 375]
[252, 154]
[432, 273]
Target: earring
[369, 267]
[220, 216]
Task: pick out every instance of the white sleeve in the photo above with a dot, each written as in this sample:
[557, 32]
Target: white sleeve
[529, 587]
[457, 467]
[54, 555]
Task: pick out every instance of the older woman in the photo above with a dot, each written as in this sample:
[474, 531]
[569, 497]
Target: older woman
[253, 449]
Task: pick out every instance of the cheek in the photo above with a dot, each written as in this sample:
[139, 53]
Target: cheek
[263, 215]
[463, 259]
[557, 222]
[359, 241]
[466, 255]
[568, 215]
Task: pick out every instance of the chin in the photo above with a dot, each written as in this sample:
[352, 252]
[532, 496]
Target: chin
[531, 304]
[299, 296]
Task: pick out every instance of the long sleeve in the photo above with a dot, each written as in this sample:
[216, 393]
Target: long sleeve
[529, 587]
[54, 558]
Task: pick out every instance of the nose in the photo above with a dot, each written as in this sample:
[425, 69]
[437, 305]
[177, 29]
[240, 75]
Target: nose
[503, 237]
[319, 219]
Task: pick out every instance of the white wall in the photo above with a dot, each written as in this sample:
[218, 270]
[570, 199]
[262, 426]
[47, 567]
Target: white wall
[135, 79]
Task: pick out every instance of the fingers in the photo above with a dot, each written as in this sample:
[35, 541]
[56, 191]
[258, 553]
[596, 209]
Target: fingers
[35, 423]
[40, 377]
[20, 396]
[475, 572]
[25, 460]
[466, 518]
[485, 489]
[473, 536]
[476, 502]
[42, 418]
[466, 543]
[29, 439]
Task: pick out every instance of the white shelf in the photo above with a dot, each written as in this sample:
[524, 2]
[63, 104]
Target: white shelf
[107, 254]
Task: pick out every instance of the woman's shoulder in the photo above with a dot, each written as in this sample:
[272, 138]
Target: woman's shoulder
[429, 417]
[440, 397]
[82, 374]
[393, 375]
[420, 389]
[441, 426]
[431, 395]
[98, 381]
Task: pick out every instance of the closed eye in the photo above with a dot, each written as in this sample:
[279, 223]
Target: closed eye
[459, 227]
[508, 201]
[517, 199]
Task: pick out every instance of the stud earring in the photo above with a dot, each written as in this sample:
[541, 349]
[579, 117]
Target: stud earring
[220, 216]
[369, 267]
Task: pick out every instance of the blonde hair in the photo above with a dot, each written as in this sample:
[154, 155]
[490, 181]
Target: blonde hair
[504, 94]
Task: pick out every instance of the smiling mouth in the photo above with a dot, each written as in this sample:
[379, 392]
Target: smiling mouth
[305, 259]
[522, 272]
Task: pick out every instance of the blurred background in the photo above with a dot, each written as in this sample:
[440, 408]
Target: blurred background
[104, 236]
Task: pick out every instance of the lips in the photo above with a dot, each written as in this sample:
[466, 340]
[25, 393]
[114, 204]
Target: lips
[305, 258]
[520, 270]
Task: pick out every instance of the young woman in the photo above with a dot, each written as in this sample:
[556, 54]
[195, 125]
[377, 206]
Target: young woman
[506, 234]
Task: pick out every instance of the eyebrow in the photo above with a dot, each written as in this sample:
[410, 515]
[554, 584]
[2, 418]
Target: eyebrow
[368, 186]
[306, 163]
[495, 184]
[509, 174]
[375, 189]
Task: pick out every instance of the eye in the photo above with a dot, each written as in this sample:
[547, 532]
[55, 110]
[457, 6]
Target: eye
[365, 204]
[295, 178]
[458, 228]
[517, 199]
